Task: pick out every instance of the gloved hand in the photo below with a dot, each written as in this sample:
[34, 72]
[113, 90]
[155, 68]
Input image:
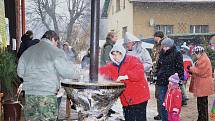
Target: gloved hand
[180, 82]
[19, 90]
[188, 67]
[155, 79]
[122, 78]
[175, 110]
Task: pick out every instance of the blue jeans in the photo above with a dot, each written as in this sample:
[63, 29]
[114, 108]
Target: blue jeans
[58, 102]
[161, 95]
[183, 91]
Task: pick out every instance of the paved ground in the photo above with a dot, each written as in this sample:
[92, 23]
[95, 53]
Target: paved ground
[189, 112]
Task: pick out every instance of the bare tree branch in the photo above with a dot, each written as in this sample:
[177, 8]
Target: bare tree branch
[70, 22]
[42, 15]
[76, 11]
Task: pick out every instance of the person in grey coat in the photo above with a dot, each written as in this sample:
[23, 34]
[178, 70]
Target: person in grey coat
[70, 52]
[85, 62]
[134, 47]
[41, 66]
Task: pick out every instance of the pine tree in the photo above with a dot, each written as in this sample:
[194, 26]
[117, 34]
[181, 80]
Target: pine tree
[210, 52]
[211, 55]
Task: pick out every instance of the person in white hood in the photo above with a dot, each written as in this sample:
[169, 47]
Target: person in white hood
[187, 61]
[134, 47]
[129, 70]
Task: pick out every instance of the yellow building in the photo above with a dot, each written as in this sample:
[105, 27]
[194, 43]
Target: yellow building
[144, 17]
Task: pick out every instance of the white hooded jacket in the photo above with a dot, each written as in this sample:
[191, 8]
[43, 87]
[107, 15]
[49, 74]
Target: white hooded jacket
[119, 48]
[139, 51]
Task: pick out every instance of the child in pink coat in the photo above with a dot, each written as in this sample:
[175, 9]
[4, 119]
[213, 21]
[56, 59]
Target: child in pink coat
[173, 98]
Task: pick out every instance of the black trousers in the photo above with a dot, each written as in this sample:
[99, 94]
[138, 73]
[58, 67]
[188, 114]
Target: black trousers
[135, 112]
[158, 101]
[202, 106]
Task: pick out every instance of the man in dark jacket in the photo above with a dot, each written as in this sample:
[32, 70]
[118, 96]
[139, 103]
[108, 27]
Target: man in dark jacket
[170, 61]
[158, 38]
[27, 41]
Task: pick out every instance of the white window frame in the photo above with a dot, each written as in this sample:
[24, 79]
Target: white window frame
[193, 28]
[165, 31]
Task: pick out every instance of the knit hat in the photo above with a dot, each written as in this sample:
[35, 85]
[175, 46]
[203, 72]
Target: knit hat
[167, 42]
[174, 78]
[198, 49]
[184, 46]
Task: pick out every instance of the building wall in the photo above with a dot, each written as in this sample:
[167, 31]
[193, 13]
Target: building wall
[103, 28]
[120, 19]
[180, 15]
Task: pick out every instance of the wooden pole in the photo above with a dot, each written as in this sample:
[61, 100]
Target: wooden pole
[17, 24]
[68, 109]
[1, 95]
[23, 17]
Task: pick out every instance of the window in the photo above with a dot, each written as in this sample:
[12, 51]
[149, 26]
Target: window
[117, 5]
[123, 4]
[112, 10]
[167, 29]
[124, 30]
[199, 28]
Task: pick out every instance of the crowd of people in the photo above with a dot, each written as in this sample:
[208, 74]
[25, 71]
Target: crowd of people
[42, 65]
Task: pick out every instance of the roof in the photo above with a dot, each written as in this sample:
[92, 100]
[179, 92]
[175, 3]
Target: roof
[148, 40]
[196, 38]
[193, 34]
[175, 1]
[107, 3]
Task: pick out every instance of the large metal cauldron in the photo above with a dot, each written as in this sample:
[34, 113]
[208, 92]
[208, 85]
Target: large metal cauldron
[93, 100]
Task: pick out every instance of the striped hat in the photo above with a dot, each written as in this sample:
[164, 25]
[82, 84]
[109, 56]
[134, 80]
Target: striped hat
[198, 49]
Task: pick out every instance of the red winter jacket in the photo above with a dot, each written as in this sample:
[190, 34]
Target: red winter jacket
[172, 100]
[187, 62]
[137, 90]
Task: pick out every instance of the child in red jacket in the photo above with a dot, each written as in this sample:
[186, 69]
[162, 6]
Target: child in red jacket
[173, 98]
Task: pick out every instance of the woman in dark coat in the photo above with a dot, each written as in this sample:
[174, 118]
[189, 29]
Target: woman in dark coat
[27, 41]
[170, 62]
